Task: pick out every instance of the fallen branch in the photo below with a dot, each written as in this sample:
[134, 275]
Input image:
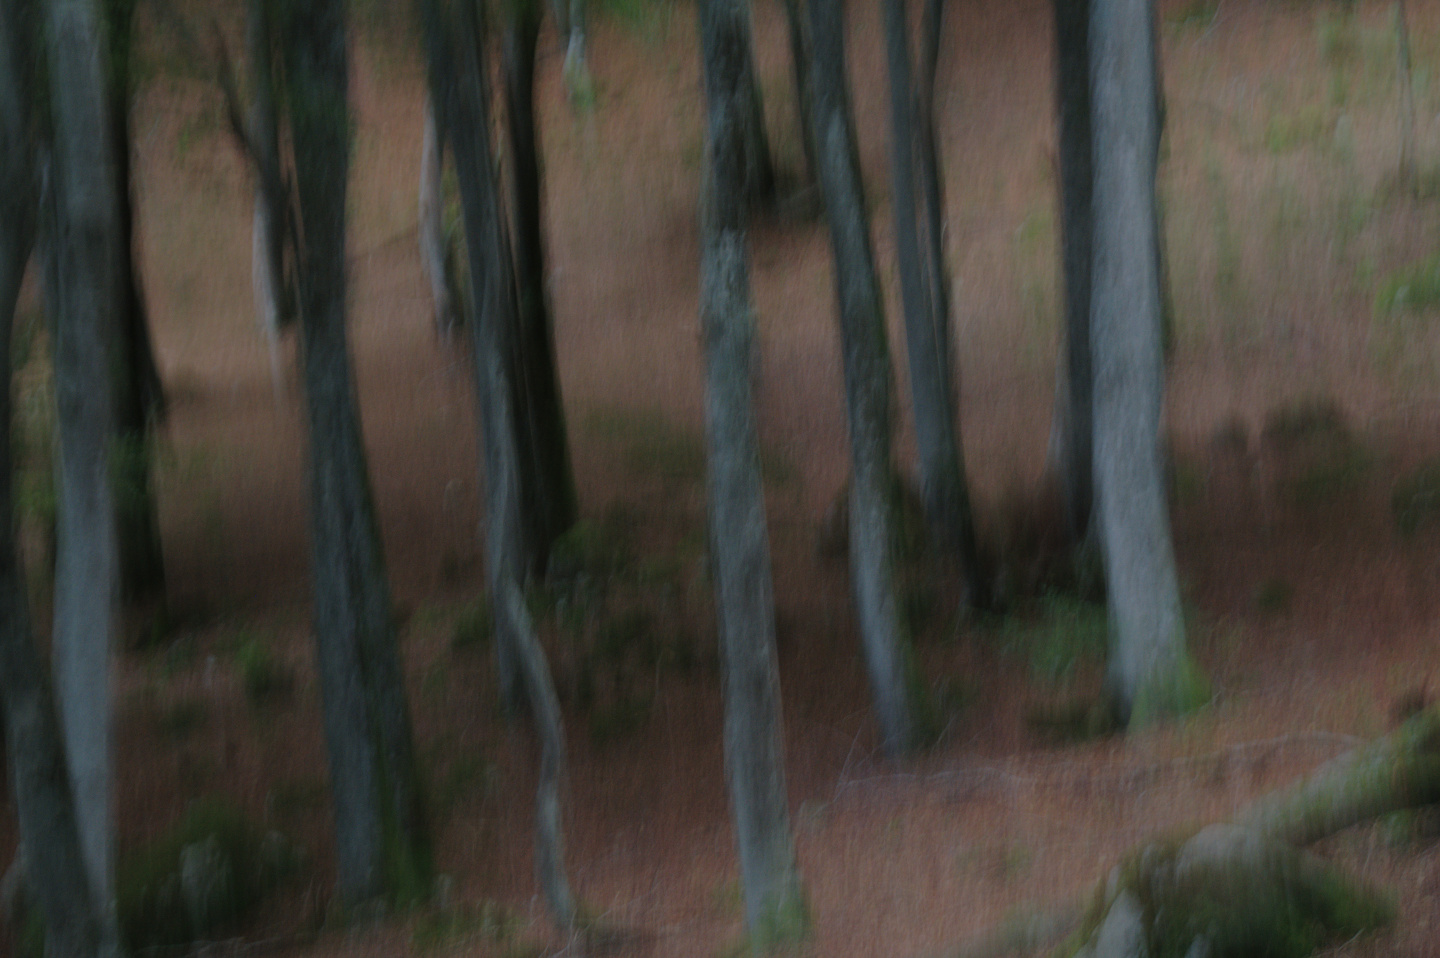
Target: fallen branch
[1227, 881]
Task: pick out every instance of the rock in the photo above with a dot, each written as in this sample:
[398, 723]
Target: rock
[207, 886]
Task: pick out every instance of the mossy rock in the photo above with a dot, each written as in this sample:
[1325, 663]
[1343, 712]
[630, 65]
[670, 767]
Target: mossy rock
[200, 879]
[1225, 892]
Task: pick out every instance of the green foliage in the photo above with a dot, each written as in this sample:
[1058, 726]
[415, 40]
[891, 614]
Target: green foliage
[1287, 132]
[1181, 689]
[467, 927]
[652, 445]
[1197, 15]
[1319, 459]
[1058, 635]
[649, 19]
[199, 879]
[1414, 288]
[474, 628]
[264, 679]
[592, 550]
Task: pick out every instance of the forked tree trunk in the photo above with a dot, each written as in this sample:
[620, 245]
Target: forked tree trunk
[1148, 673]
[434, 250]
[456, 47]
[759, 171]
[800, 67]
[83, 289]
[39, 782]
[547, 487]
[380, 837]
[914, 174]
[868, 388]
[1071, 429]
[139, 396]
[273, 287]
[754, 741]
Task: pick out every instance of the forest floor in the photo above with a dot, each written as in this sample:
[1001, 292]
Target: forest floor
[1297, 406]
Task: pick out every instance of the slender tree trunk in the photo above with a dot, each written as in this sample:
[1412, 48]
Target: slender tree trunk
[868, 388]
[273, 288]
[925, 294]
[381, 845]
[139, 396]
[547, 486]
[754, 739]
[55, 870]
[800, 65]
[1149, 673]
[434, 250]
[1071, 429]
[83, 289]
[459, 85]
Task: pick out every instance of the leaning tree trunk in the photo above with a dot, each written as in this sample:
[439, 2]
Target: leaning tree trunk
[548, 486]
[754, 741]
[1071, 429]
[458, 81]
[139, 396]
[55, 868]
[925, 295]
[868, 388]
[83, 288]
[1149, 672]
[381, 844]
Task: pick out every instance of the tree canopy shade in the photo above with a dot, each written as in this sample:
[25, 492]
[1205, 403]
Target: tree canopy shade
[380, 833]
[775, 907]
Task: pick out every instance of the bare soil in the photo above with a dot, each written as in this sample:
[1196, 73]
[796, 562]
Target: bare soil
[1312, 615]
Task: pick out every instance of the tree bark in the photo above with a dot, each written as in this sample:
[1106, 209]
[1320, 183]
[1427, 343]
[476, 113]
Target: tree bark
[139, 395]
[83, 289]
[434, 249]
[547, 485]
[868, 388]
[1148, 673]
[1072, 427]
[381, 844]
[273, 287]
[55, 869]
[925, 293]
[754, 740]
[800, 67]
[458, 81]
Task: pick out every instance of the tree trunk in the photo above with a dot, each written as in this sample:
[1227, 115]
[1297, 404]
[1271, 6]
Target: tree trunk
[459, 85]
[273, 287]
[925, 294]
[1149, 673]
[1071, 429]
[800, 65]
[775, 907]
[139, 396]
[83, 289]
[381, 845]
[547, 488]
[868, 388]
[434, 249]
[55, 869]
